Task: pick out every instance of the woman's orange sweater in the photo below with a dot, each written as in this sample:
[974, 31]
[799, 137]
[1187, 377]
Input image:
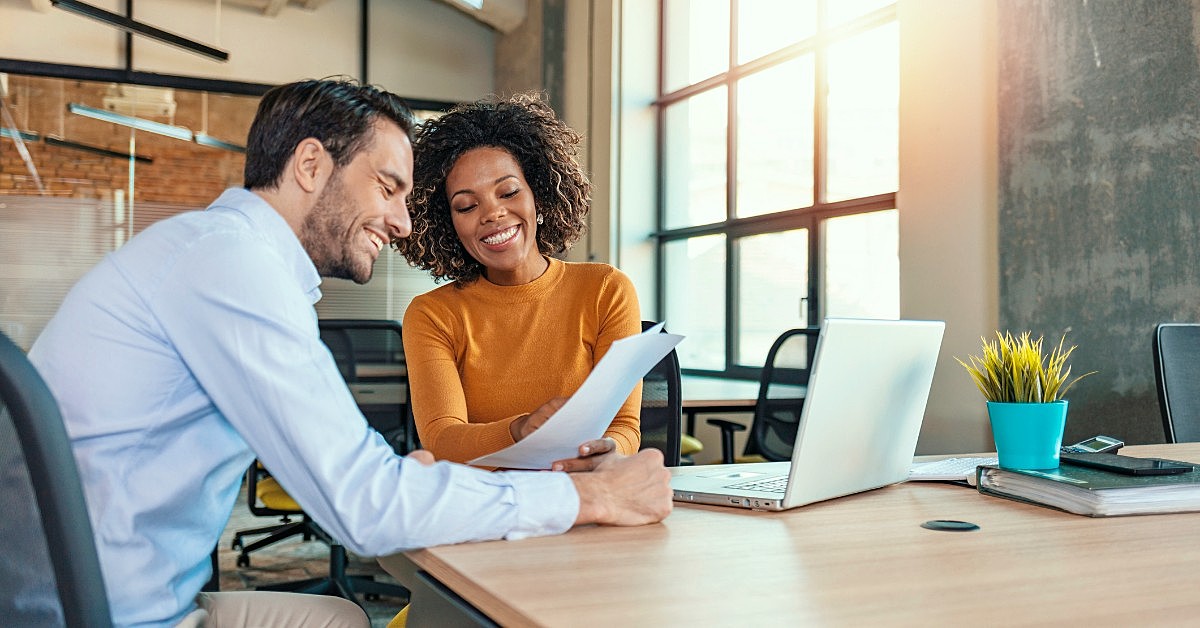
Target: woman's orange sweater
[482, 355]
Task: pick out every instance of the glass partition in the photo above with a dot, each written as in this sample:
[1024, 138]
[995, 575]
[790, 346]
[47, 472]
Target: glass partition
[86, 165]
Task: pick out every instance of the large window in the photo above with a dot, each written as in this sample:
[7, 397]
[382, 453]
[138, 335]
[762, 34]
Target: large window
[778, 133]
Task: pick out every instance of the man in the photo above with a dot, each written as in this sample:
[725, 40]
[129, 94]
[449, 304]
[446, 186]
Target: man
[194, 348]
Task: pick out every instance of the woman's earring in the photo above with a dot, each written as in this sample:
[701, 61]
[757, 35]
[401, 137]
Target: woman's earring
[540, 219]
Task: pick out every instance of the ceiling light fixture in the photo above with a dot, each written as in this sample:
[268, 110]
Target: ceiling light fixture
[15, 134]
[141, 124]
[204, 139]
[138, 28]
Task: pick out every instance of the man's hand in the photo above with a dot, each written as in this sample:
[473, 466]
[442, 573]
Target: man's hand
[525, 425]
[625, 490]
[591, 454]
[422, 456]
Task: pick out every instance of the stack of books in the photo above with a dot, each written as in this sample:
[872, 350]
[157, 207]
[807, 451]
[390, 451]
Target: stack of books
[1094, 492]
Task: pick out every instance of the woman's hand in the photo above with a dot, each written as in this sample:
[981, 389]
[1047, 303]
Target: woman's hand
[525, 425]
[591, 454]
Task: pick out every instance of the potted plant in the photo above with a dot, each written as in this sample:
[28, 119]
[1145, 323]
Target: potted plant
[1024, 389]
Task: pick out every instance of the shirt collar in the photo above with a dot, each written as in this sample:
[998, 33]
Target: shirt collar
[270, 224]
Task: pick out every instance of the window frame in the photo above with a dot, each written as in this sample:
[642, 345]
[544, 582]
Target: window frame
[733, 228]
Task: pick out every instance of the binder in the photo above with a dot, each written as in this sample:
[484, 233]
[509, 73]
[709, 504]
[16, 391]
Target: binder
[1093, 492]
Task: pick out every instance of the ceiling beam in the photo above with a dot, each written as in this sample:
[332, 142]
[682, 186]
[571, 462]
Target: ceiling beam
[138, 28]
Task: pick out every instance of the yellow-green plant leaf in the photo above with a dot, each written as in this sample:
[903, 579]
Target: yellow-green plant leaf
[1017, 370]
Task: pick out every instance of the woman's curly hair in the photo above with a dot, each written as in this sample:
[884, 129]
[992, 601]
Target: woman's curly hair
[544, 147]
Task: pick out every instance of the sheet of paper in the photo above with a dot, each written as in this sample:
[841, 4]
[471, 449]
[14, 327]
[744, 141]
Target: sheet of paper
[591, 409]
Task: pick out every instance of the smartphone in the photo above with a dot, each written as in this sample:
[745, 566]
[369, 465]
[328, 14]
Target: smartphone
[1127, 464]
[1094, 445]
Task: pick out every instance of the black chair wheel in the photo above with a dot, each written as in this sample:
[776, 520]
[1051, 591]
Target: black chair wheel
[243, 560]
[236, 544]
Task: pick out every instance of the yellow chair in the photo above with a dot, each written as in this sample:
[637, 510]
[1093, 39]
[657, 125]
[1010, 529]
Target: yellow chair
[266, 498]
[689, 446]
[270, 499]
[400, 620]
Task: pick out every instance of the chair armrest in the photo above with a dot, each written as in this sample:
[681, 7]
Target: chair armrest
[727, 430]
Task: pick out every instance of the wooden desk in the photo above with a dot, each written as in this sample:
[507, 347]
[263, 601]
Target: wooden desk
[853, 561]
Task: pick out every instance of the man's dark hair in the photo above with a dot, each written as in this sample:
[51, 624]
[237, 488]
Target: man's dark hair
[337, 112]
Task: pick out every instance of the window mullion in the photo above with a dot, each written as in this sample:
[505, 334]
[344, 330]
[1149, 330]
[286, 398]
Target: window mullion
[732, 324]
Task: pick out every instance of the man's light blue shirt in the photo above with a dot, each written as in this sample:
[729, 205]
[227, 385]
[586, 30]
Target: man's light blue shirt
[193, 349]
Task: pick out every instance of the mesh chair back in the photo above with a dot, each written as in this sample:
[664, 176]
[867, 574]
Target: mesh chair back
[370, 356]
[781, 394]
[662, 407]
[45, 526]
[340, 345]
[1177, 373]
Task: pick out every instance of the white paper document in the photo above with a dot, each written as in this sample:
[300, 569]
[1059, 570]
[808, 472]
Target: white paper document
[591, 409]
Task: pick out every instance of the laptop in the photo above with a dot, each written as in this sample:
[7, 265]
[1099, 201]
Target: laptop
[858, 428]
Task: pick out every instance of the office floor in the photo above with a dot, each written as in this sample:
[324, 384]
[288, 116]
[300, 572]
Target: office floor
[293, 559]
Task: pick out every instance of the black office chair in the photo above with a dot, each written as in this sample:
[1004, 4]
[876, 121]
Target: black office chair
[780, 400]
[48, 542]
[370, 357]
[1177, 373]
[662, 406]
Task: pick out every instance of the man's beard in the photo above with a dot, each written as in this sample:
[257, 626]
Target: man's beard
[326, 235]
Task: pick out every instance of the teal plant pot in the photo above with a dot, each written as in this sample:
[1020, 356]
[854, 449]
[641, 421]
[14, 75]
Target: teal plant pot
[1028, 435]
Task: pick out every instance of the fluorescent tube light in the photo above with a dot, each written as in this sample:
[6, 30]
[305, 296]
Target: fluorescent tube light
[132, 26]
[140, 124]
[14, 134]
[212, 142]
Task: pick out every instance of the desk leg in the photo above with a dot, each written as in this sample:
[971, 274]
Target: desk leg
[690, 428]
[433, 604]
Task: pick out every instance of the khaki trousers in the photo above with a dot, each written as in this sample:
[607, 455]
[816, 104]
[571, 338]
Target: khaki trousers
[270, 609]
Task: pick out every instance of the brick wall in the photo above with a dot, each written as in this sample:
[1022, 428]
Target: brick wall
[181, 173]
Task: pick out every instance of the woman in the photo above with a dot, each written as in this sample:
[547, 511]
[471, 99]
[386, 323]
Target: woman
[497, 192]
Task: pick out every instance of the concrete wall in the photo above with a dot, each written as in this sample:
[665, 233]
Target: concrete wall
[548, 53]
[1099, 180]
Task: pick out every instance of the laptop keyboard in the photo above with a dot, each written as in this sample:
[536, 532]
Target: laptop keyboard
[777, 484]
